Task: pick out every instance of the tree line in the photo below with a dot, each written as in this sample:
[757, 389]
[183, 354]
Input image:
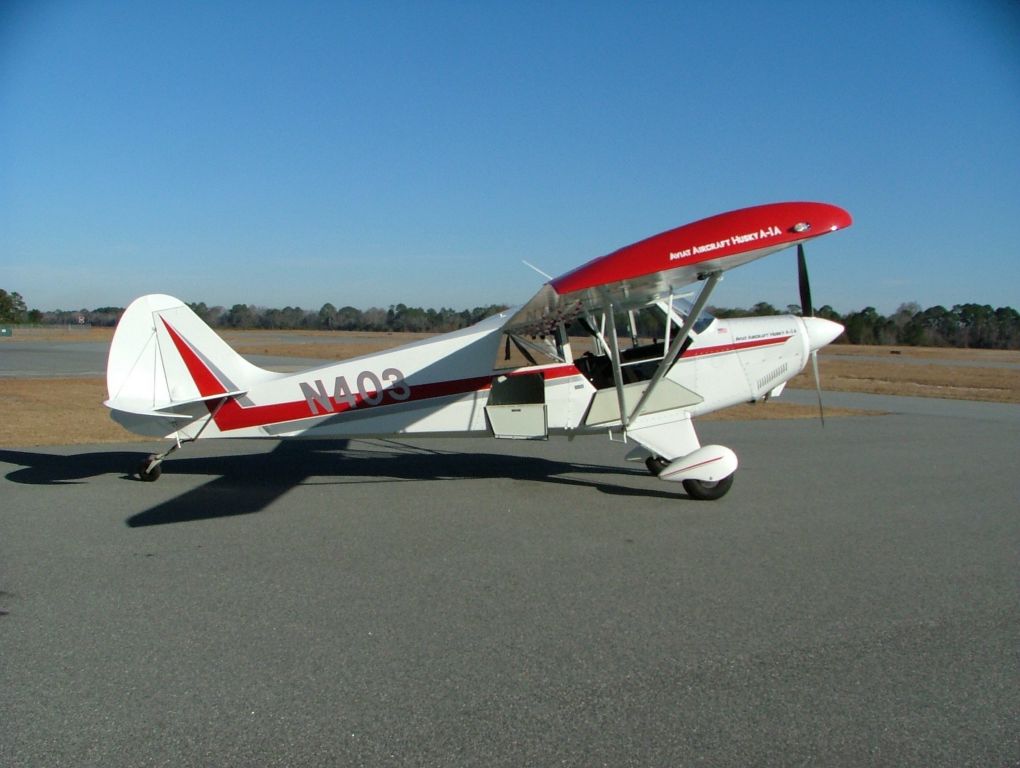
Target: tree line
[963, 325]
[976, 326]
[398, 317]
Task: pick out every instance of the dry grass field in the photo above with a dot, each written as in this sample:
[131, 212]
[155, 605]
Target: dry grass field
[57, 412]
[67, 411]
[963, 375]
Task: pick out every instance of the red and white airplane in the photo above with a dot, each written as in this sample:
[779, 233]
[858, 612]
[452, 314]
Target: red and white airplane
[169, 375]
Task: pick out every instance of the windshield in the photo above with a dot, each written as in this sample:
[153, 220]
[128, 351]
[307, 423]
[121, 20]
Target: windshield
[684, 308]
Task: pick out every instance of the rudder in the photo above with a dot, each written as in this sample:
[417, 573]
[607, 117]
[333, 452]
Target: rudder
[165, 365]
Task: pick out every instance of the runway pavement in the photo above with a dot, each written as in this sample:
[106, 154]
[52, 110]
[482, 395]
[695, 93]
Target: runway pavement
[852, 601]
[35, 359]
[47, 359]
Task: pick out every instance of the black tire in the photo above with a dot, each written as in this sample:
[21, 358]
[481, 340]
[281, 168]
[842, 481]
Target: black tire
[656, 464]
[149, 475]
[703, 490]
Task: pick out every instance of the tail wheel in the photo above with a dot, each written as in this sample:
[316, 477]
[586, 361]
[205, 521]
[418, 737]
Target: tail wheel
[149, 475]
[703, 490]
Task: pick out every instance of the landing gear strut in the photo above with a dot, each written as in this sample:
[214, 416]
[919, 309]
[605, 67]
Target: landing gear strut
[150, 469]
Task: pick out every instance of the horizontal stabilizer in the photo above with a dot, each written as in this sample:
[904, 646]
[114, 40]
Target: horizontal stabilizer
[169, 410]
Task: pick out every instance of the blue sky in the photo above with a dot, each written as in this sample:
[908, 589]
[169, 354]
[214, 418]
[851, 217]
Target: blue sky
[373, 153]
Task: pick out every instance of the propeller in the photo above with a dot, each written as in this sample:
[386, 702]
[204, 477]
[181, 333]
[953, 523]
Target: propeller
[806, 307]
[807, 310]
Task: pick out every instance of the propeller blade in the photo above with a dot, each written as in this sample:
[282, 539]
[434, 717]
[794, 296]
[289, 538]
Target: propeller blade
[818, 385]
[506, 351]
[806, 307]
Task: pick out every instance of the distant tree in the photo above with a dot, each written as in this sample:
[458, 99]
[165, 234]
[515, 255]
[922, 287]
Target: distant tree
[1007, 324]
[241, 316]
[216, 315]
[906, 311]
[374, 319]
[271, 319]
[480, 313]
[350, 319]
[729, 311]
[828, 313]
[286, 319]
[763, 308]
[901, 323]
[202, 311]
[404, 318]
[977, 325]
[863, 327]
[938, 326]
[12, 307]
[965, 325]
[328, 317]
[106, 317]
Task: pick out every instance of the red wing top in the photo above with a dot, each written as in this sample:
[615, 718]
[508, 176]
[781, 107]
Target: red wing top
[649, 270]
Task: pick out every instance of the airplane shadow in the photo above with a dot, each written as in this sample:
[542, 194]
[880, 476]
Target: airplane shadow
[38, 468]
[246, 484]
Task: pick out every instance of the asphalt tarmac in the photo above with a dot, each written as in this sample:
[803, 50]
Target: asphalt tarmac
[852, 601]
[45, 359]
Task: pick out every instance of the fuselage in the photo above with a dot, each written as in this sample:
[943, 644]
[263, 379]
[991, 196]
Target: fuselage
[447, 385]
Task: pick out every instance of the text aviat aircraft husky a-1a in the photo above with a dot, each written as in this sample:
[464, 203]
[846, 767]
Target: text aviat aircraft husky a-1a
[169, 375]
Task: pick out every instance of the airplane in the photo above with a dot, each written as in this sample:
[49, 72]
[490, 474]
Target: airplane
[514, 375]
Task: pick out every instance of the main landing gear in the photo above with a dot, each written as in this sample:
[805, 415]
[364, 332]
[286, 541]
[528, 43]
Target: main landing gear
[701, 490]
[705, 490]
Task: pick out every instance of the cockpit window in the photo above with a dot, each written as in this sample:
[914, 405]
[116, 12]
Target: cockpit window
[684, 308]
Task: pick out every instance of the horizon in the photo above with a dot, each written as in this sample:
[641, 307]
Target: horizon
[710, 308]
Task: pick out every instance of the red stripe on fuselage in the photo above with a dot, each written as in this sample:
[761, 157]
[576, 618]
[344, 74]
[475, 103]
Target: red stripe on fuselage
[235, 416]
[733, 347]
[232, 415]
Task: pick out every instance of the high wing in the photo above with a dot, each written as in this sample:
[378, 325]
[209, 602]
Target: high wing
[651, 270]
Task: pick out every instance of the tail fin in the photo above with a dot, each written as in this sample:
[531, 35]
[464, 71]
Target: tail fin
[166, 366]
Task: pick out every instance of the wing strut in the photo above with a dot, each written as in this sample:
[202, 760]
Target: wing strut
[669, 321]
[614, 355]
[667, 361]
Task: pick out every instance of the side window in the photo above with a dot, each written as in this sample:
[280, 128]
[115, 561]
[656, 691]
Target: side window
[521, 352]
[703, 322]
[684, 307]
